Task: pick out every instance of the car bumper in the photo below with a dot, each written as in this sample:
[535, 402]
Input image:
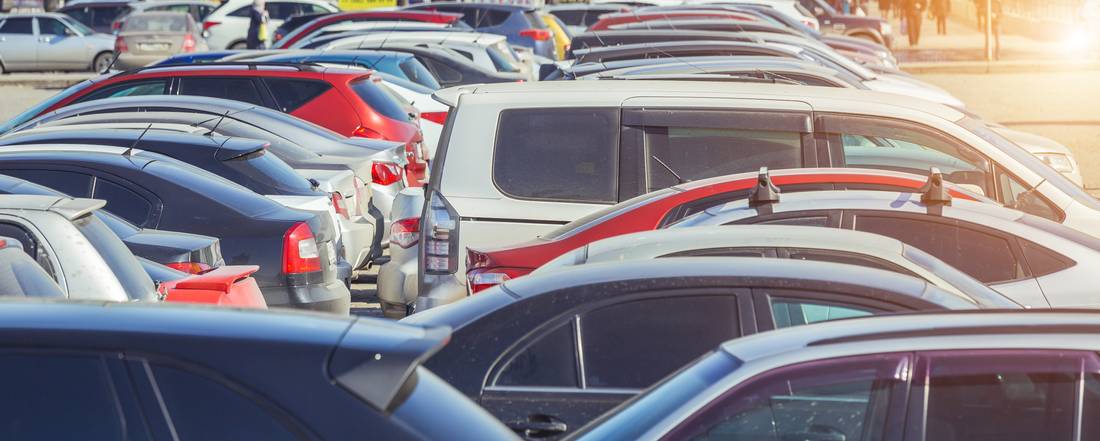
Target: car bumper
[331, 297]
[358, 239]
[440, 290]
[397, 278]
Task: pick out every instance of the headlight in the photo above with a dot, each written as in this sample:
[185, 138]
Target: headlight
[886, 29]
[1059, 162]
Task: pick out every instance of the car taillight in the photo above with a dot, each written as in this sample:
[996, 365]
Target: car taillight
[481, 279]
[120, 45]
[300, 253]
[116, 25]
[188, 43]
[439, 237]
[535, 34]
[206, 25]
[436, 117]
[405, 232]
[339, 206]
[190, 267]
[385, 173]
[367, 132]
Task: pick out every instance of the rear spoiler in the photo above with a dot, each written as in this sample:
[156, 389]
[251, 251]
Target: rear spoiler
[450, 95]
[76, 208]
[219, 279]
[377, 361]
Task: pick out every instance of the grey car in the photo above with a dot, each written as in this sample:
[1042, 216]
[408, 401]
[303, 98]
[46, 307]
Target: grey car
[21, 276]
[47, 41]
[989, 375]
[784, 242]
[397, 284]
[148, 37]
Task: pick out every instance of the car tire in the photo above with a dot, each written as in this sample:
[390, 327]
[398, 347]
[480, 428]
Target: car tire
[101, 61]
[238, 45]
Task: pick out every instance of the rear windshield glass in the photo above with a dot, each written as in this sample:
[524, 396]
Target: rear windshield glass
[161, 23]
[201, 182]
[123, 264]
[379, 100]
[267, 174]
[417, 73]
[501, 61]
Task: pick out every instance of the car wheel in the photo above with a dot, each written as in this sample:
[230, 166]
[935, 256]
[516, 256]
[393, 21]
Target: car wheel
[239, 45]
[101, 61]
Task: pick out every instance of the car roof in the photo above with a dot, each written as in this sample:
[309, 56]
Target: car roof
[668, 241]
[429, 36]
[477, 5]
[861, 200]
[220, 147]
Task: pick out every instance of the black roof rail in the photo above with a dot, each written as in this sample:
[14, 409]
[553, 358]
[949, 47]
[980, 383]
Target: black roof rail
[251, 65]
[933, 192]
[765, 192]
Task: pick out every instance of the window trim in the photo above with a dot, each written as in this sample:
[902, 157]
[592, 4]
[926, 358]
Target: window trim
[763, 298]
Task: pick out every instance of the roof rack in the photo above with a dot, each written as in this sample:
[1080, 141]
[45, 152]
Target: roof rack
[765, 192]
[251, 65]
[933, 192]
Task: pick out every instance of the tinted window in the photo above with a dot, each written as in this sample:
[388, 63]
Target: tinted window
[1043, 261]
[841, 399]
[204, 10]
[265, 173]
[417, 73]
[696, 153]
[129, 88]
[558, 154]
[500, 61]
[29, 245]
[634, 344]
[549, 361]
[20, 25]
[50, 26]
[576, 17]
[724, 252]
[123, 202]
[57, 396]
[848, 259]
[1016, 195]
[202, 409]
[292, 94]
[379, 100]
[80, 14]
[983, 256]
[240, 12]
[1002, 396]
[236, 89]
[281, 11]
[73, 184]
[122, 262]
[806, 221]
[795, 312]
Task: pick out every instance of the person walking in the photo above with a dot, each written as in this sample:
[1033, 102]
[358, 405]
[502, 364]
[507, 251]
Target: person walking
[257, 25]
[912, 11]
[979, 6]
[940, 10]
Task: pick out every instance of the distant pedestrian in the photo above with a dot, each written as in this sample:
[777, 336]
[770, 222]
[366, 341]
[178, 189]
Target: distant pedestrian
[913, 10]
[884, 9]
[257, 25]
[979, 6]
[940, 10]
[995, 18]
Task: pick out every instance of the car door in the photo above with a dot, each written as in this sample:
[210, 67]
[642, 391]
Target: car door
[59, 46]
[591, 360]
[18, 44]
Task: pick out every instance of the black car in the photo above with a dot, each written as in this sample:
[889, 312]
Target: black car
[172, 248]
[161, 372]
[294, 249]
[547, 353]
[97, 15]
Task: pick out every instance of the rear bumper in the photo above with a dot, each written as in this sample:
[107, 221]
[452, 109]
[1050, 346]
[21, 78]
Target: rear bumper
[440, 290]
[397, 278]
[331, 297]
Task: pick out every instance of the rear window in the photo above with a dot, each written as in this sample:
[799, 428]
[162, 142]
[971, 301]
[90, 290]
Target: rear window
[558, 154]
[290, 94]
[164, 23]
[534, 19]
[122, 262]
[502, 61]
[267, 173]
[417, 73]
[379, 100]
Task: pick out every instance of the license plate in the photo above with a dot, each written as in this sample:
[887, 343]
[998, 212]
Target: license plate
[154, 46]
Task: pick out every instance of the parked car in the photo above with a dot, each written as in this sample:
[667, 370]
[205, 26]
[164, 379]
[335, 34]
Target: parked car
[448, 67]
[399, 64]
[227, 26]
[148, 37]
[579, 16]
[521, 24]
[339, 31]
[807, 382]
[21, 276]
[45, 41]
[564, 150]
[98, 15]
[640, 17]
[560, 33]
[397, 278]
[203, 373]
[764, 68]
[230, 286]
[792, 9]
[197, 9]
[871, 28]
[294, 22]
[308, 28]
[657, 209]
[516, 349]
[294, 249]
[489, 51]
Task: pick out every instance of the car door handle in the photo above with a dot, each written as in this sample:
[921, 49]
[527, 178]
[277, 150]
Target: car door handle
[539, 426]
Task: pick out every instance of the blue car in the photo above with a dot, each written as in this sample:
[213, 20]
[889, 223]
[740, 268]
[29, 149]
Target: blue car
[404, 66]
[198, 57]
[521, 24]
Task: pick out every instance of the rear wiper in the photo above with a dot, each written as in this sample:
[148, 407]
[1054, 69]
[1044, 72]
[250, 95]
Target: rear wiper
[679, 179]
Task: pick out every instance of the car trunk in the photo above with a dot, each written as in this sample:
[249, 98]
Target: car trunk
[153, 43]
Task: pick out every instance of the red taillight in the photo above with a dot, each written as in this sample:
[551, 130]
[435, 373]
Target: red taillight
[535, 34]
[405, 232]
[206, 25]
[339, 206]
[300, 253]
[189, 267]
[385, 173]
[481, 279]
[366, 132]
[436, 117]
[188, 43]
[120, 45]
[116, 25]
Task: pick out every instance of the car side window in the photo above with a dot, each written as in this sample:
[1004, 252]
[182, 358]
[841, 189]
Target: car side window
[290, 94]
[236, 89]
[123, 202]
[787, 312]
[1042, 260]
[243, 11]
[30, 245]
[636, 343]
[549, 361]
[696, 153]
[837, 399]
[1003, 395]
[558, 154]
[203, 409]
[204, 10]
[17, 25]
[129, 88]
[79, 14]
[1016, 195]
[282, 10]
[51, 26]
[104, 16]
[984, 256]
[847, 258]
[53, 396]
[446, 74]
[77, 185]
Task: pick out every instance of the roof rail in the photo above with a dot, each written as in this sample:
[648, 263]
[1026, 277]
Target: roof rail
[765, 192]
[251, 65]
[933, 192]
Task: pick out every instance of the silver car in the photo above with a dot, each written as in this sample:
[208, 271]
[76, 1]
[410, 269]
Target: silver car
[397, 290]
[784, 242]
[148, 37]
[45, 41]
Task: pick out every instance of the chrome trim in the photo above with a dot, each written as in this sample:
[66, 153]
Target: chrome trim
[579, 347]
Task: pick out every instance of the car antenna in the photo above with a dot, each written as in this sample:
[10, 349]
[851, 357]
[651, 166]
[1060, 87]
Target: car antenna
[774, 76]
[109, 66]
[129, 153]
[933, 192]
[765, 193]
[220, 119]
[679, 179]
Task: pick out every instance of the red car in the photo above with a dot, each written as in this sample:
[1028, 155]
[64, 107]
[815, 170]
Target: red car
[486, 268]
[346, 101]
[609, 20]
[360, 16]
[231, 286]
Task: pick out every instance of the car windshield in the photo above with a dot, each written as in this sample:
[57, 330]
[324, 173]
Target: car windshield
[135, 281]
[266, 173]
[80, 27]
[29, 114]
[823, 5]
